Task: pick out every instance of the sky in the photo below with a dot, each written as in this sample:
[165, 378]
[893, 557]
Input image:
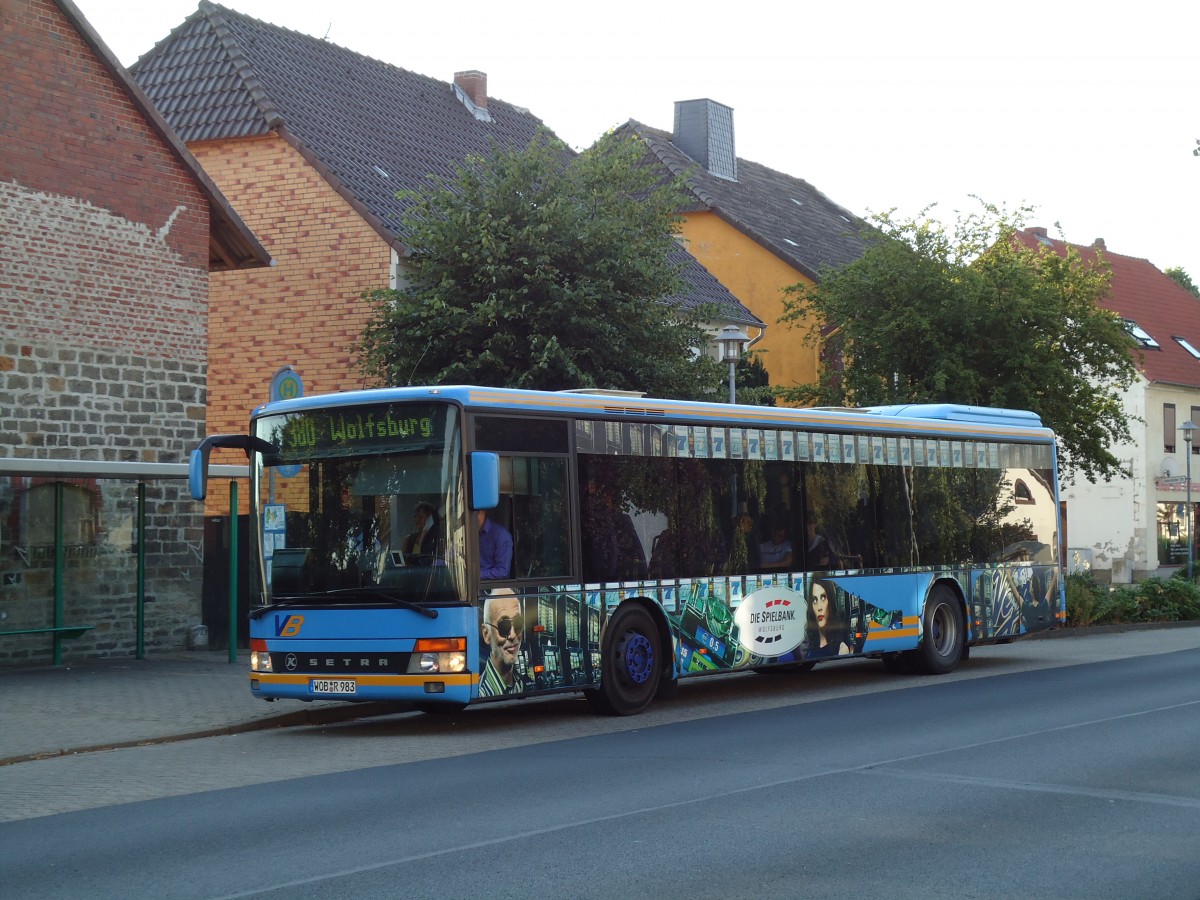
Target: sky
[1086, 111]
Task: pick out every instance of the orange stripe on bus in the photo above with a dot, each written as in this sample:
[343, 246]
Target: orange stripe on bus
[365, 680]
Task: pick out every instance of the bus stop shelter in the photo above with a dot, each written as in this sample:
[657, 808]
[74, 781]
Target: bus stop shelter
[61, 473]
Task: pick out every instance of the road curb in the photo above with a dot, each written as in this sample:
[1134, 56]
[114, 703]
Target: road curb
[327, 715]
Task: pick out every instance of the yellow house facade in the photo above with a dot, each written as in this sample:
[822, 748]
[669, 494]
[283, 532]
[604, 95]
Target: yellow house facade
[757, 277]
[758, 231]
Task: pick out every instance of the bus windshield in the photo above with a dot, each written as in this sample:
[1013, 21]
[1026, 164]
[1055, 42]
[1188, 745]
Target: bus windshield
[361, 505]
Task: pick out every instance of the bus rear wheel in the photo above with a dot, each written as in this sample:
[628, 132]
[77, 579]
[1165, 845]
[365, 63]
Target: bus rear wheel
[943, 634]
[630, 666]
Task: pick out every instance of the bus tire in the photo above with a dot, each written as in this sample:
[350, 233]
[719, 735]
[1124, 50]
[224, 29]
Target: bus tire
[630, 667]
[668, 689]
[943, 634]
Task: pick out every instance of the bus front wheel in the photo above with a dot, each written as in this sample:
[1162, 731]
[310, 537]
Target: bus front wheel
[943, 634]
[630, 667]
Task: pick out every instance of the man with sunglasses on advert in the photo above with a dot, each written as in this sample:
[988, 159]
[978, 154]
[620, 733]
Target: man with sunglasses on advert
[503, 632]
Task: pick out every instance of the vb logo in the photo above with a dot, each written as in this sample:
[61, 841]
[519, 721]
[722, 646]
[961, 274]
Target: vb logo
[288, 626]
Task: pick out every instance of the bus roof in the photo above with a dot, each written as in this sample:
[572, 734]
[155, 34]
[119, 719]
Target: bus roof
[942, 419]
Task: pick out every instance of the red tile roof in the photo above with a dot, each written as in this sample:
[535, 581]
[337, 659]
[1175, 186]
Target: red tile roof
[1156, 303]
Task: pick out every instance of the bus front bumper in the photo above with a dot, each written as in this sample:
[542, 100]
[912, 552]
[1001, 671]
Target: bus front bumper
[424, 688]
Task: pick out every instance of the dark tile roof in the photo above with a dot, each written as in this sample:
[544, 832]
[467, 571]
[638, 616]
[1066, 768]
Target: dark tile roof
[784, 214]
[701, 287]
[231, 244]
[372, 129]
[1155, 302]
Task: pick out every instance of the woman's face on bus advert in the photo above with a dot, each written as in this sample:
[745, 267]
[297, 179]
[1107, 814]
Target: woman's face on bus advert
[820, 606]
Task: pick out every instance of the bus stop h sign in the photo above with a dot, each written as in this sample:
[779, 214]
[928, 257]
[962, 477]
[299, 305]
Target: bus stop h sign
[286, 384]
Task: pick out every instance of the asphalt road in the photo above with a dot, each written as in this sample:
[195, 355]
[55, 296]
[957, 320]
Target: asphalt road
[1007, 781]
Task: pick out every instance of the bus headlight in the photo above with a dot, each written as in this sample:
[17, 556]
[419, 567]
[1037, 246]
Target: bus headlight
[431, 663]
[260, 661]
[433, 655]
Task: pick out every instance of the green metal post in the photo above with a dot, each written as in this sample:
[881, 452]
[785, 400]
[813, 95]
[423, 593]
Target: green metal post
[233, 564]
[58, 570]
[141, 570]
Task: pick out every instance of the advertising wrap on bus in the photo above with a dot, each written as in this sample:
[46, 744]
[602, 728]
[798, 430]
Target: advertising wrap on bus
[459, 544]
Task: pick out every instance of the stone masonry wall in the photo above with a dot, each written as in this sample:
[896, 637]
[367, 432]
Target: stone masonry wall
[103, 302]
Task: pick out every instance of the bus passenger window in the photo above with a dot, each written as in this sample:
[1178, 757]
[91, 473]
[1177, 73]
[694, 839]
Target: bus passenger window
[534, 510]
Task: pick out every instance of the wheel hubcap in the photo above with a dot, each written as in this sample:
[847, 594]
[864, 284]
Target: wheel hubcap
[639, 657]
[942, 630]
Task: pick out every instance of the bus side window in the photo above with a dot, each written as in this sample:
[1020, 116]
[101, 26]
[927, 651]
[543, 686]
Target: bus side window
[535, 512]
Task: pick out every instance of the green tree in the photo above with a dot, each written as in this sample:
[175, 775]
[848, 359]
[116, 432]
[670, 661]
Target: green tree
[752, 384]
[1183, 279]
[535, 269]
[973, 315]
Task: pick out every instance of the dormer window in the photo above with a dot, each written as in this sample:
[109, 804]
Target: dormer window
[1186, 345]
[1141, 335]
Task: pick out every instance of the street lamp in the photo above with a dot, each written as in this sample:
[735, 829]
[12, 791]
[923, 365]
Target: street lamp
[732, 341]
[1187, 428]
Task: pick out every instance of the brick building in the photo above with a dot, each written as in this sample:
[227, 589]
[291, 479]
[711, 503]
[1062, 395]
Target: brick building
[110, 230]
[311, 143]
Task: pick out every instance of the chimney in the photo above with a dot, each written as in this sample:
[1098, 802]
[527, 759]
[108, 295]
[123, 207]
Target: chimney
[471, 88]
[1098, 244]
[704, 131]
[1038, 232]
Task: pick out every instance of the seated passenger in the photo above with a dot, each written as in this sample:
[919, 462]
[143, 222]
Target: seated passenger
[776, 552]
[495, 548]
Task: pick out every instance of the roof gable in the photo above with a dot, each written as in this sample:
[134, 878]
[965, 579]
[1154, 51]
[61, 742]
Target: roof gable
[373, 129]
[1142, 294]
[370, 128]
[231, 243]
[784, 214]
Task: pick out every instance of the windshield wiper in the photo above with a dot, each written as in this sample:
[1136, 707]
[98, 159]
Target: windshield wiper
[288, 600]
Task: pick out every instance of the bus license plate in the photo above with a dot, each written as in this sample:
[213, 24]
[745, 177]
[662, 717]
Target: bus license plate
[333, 686]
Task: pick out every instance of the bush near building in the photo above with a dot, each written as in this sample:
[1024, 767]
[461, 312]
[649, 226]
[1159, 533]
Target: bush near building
[1089, 602]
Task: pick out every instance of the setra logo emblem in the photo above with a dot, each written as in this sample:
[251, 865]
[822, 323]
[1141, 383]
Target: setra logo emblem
[288, 626]
[290, 662]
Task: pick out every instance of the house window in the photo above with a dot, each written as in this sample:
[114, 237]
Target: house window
[1169, 427]
[1022, 492]
[1195, 420]
[1186, 345]
[1141, 335]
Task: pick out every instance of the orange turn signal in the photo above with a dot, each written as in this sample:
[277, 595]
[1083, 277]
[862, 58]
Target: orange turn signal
[440, 645]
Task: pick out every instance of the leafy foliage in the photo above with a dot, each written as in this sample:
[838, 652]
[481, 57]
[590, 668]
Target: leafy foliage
[1183, 279]
[1173, 599]
[534, 269]
[973, 316]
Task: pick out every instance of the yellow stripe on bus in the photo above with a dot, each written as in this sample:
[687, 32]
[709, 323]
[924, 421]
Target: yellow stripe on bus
[912, 628]
[884, 634]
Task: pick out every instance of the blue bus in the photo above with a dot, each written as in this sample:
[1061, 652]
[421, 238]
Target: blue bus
[449, 545]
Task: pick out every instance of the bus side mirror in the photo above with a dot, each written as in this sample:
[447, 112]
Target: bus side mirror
[198, 461]
[198, 472]
[485, 480]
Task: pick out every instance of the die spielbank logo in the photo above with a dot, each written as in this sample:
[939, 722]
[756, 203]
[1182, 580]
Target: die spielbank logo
[771, 621]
